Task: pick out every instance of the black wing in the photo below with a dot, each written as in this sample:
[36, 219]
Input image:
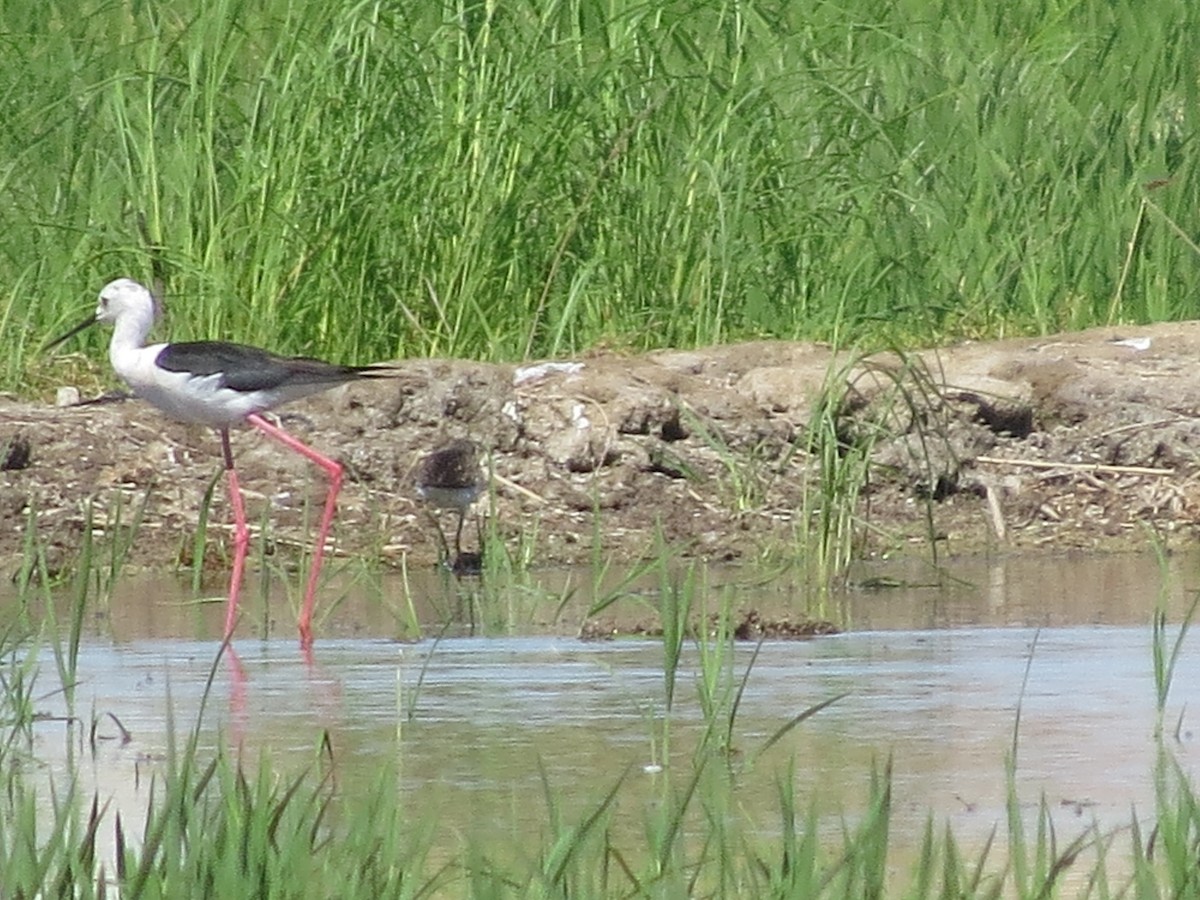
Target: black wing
[244, 368]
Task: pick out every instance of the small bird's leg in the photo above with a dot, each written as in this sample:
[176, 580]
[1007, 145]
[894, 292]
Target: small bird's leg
[479, 531]
[334, 470]
[462, 515]
[241, 536]
[443, 546]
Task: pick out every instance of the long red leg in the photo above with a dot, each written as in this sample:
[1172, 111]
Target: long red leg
[241, 537]
[334, 470]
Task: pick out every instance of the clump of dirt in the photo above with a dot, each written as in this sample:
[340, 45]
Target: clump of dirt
[1077, 440]
[749, 625]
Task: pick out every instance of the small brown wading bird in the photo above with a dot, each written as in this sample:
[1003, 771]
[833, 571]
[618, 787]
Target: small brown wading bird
[220, 384]
[450, 478]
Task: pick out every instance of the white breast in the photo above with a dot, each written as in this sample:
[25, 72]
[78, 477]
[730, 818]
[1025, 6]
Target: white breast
[184, 396]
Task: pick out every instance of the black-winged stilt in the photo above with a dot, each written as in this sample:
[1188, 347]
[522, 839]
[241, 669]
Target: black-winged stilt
[220, 384]
[450, 478]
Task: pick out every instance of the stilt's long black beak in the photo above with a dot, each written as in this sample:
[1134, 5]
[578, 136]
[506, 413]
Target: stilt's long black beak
[90, 320]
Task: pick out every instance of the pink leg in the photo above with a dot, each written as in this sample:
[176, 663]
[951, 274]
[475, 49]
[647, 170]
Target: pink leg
[241, 537]
[334, 470]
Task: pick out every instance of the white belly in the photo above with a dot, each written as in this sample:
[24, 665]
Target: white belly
[187, 397]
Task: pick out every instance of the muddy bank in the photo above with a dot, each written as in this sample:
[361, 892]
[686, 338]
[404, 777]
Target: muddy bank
[1081, 440]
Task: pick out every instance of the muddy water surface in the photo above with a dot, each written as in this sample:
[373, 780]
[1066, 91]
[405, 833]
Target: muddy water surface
[932, 673]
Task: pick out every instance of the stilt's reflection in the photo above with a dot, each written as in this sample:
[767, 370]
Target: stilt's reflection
[237, 694]
[321, 690]
[325, 692]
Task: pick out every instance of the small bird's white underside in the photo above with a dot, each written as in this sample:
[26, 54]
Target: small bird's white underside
[198, 398]
[459, 498]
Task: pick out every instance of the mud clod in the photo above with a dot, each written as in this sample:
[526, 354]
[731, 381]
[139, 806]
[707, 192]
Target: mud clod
[15, 453]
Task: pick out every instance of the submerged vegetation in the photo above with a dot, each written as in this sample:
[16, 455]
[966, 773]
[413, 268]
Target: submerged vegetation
[369, 180]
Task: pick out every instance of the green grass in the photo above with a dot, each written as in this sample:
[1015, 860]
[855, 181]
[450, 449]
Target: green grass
[369, 180]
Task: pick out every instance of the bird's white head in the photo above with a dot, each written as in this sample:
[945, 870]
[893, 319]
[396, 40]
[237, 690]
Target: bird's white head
[124, 298]
[124, 303]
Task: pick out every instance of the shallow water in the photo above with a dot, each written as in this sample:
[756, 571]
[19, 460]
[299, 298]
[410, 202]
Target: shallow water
[1042, 591]
[932, 677]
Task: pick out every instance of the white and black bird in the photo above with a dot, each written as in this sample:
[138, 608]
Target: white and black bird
[222, 384]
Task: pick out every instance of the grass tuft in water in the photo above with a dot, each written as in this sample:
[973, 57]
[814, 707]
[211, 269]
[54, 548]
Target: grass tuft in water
[1166, 655]
[840, 465]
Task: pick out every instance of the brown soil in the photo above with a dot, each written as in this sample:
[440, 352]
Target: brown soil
[1071, 441]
